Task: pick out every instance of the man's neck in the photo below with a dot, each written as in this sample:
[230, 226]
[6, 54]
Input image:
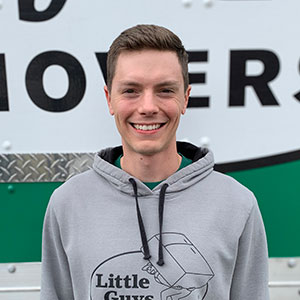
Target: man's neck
[151, 168]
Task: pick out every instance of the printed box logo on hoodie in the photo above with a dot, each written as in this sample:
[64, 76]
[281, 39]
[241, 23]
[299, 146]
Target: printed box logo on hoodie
[185, 273]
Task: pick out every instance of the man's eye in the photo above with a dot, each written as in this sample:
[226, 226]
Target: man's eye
[167, 91]
[129, 91]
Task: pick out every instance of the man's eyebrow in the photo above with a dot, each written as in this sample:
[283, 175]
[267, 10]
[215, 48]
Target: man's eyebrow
[169, 83]
[129, 83]
[172, 83]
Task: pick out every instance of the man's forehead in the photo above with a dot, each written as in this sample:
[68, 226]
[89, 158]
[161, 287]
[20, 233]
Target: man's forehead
[127, 52]
[163, 66]
[145, 54]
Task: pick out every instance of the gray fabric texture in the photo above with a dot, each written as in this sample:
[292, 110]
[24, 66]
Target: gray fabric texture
[213, 237]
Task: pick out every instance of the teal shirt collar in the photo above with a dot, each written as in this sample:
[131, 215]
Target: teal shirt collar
[151, 185]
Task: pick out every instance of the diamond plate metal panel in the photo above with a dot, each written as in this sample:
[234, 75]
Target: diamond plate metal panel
[43, 167]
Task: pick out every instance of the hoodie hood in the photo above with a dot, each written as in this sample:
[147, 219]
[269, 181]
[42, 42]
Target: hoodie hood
[202, 166]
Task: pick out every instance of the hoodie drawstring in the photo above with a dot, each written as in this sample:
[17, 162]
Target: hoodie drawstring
[161, 205]
[140, 220]
[162, 194]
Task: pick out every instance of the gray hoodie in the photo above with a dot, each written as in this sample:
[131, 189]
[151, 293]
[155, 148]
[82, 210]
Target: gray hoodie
[197, 235]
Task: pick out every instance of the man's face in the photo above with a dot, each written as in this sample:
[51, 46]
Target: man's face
[147, 98]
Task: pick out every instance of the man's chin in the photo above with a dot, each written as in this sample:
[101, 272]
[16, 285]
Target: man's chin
[148, 150]
[147, 147]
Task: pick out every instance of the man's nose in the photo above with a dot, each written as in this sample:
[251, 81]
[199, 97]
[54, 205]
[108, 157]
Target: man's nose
[148, 104]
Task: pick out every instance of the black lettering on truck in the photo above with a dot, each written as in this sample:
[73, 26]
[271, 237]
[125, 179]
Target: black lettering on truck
[27, 11]
[238, 80]
[34, 81]
[3, 85]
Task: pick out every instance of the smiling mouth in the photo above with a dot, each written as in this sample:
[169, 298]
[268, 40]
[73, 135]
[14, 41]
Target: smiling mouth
[149, 127]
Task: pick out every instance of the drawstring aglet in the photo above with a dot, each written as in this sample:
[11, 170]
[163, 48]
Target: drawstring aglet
[147, 256]
[160, 262]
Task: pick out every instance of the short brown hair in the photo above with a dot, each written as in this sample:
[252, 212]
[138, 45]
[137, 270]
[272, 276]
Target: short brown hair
[142, 37]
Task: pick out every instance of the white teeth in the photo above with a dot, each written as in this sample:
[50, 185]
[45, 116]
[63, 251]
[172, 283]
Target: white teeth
[146, 127]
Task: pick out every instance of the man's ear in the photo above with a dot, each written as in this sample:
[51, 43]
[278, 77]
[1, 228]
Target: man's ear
[186, 99]
[108, 99]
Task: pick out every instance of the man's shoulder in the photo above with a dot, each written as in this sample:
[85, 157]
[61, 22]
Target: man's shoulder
[231, 191]
[228, 182]
[74, 187]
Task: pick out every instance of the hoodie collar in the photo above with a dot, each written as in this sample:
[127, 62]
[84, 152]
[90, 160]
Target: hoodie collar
[202, 165]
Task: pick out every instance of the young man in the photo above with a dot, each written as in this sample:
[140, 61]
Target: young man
[152, 220]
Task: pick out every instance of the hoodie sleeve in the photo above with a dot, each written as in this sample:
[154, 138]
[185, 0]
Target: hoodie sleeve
[250, 278]
[56, 281]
